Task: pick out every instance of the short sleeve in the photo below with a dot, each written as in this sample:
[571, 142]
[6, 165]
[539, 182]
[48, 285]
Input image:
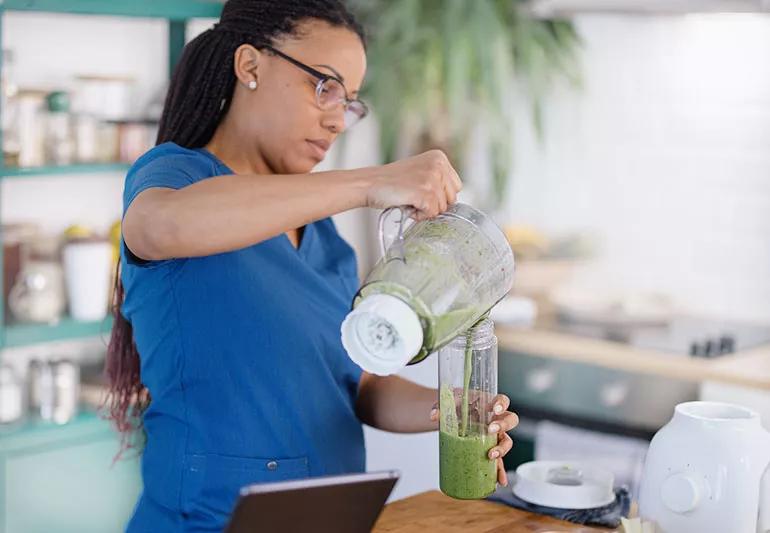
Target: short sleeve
[170, 172]
[166, 166]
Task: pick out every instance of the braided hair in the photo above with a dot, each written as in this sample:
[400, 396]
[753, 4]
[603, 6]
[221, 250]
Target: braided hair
[203, 82]
[198, 98]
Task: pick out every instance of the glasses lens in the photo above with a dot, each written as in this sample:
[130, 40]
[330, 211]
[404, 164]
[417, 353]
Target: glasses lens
[330, 93]
[354, 112]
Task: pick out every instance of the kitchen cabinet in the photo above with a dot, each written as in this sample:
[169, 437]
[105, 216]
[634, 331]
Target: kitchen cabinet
[63, 478]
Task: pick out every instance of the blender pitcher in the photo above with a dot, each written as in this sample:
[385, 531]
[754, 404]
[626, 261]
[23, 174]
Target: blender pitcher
[436, 280]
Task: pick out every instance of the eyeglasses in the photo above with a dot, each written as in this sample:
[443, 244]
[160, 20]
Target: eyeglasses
[330, 91]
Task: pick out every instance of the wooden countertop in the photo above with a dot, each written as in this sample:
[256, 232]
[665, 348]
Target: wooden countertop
[748, 368]
[433, 511]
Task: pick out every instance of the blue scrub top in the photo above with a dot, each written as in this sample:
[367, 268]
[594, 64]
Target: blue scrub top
[242, 356]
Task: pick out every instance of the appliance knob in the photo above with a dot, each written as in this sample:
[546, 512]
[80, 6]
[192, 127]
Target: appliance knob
[681, 493]
[694, 349]
[726, 344]
[614, 394]
[541, 380]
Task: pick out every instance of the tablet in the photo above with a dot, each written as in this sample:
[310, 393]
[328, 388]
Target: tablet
[349, 503]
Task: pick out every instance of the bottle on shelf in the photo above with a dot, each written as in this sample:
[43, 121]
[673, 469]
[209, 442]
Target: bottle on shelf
[59, 138]
[8, 103]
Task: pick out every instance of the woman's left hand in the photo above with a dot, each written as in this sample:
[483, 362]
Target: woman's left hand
[502, 422]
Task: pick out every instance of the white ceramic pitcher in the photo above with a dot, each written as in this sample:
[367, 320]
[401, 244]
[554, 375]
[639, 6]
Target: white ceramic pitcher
[704, 472]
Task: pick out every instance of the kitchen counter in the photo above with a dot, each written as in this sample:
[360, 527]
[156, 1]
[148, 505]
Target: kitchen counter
[433, 511]
[748, 368]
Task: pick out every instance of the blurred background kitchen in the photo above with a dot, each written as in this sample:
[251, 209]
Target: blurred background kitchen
[624, 146]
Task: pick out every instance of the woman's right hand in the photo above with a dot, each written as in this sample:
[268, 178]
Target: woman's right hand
[427, 182]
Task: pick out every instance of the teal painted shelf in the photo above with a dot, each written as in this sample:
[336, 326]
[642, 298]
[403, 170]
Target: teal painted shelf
[25, 334]
[33, 433]
[64, 478]
[22, 172]
[167, 9]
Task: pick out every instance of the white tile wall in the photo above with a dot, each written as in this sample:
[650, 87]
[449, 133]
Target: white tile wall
[665, 155]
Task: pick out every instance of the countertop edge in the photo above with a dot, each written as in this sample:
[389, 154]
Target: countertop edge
[749, 368]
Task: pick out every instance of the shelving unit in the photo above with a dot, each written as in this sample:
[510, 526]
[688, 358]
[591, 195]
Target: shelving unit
[165, 9]
[177, 13]
[43, 462]
[25, 334]
[95, 168]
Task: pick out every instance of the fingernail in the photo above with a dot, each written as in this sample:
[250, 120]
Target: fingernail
[494, 428]
[495, 454]
[498, 409]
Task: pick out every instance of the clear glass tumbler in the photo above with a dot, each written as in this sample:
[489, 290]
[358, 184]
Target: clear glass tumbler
[467, 388]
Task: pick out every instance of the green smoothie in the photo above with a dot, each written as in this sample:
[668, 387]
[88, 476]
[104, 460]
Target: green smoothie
[465, 470]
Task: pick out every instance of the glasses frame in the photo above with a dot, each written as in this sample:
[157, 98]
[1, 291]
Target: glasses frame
[322, 78]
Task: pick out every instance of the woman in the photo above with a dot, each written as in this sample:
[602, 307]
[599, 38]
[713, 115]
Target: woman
[236, 281]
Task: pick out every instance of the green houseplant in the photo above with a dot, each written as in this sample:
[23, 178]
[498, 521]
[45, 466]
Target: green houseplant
[437, 68]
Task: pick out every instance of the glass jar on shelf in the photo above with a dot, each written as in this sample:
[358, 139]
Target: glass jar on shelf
[38, 292]
[59, 135]
[8, 104]
[29, 124]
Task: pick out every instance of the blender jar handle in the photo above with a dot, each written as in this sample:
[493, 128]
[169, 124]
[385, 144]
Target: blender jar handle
[395, 249]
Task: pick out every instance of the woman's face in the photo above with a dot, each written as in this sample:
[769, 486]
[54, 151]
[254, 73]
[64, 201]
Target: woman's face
[281, 119]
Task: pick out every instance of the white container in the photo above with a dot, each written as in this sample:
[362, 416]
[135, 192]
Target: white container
[30, 126]
[104, 97]
[54, 390]
[86, 139]
[87, 266]
[704, 469]
[11, 396]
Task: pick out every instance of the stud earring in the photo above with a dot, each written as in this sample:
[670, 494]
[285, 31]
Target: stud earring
[253, 85]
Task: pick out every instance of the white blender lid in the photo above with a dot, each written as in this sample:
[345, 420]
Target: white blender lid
[564, 485]
[382, 334]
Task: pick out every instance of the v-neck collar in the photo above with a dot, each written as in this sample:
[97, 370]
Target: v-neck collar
[303, 242]
[306, 233]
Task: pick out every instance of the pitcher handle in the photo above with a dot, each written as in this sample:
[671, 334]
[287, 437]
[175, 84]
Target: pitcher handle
[394, 249]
